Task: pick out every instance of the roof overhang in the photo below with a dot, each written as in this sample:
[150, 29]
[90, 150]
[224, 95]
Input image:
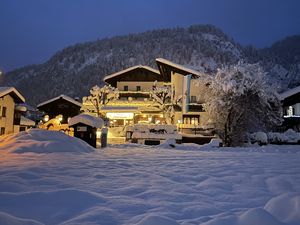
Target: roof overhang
[16, 95]
[165, 67]
[118, 76]
[289, 93]
[65, 97]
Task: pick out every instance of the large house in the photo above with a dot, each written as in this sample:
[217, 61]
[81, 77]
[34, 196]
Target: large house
[291, 108]
[136, 106]
[10, 111]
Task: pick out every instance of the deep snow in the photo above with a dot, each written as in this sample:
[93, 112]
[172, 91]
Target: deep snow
[144, 185]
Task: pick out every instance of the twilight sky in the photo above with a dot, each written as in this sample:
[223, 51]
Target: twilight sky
[33, 30]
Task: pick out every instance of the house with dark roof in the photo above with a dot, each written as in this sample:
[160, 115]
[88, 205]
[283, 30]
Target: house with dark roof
[134, 104]
[291, 108]
[62, 107]
[10, 111]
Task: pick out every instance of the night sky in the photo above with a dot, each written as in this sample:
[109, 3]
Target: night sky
[33, 30]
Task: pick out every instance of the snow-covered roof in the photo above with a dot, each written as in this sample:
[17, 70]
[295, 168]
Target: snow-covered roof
[26, 122]
[177, 66]
[13, 92]
[130, 69]
[65, 97]
[86, 119]
[289, 93]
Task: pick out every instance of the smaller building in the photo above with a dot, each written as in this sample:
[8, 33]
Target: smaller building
[26, 123]
[85, 127]
[10, 112]
[291, 108]
[61, 107]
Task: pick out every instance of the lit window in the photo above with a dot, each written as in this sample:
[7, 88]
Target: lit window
[290, 111]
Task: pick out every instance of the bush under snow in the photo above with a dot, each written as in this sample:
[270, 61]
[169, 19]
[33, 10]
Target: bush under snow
[289, 136]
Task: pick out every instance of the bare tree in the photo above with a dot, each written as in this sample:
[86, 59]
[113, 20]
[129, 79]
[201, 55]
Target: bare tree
[98, 98]
[162, 95]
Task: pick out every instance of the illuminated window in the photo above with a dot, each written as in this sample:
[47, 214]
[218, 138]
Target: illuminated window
[191, 119]
[290, 111]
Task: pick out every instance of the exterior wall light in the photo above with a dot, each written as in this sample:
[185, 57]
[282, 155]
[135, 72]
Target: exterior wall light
[46, 118]
[60, 118]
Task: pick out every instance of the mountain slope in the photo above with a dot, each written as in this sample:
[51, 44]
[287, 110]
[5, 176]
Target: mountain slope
[75, 69]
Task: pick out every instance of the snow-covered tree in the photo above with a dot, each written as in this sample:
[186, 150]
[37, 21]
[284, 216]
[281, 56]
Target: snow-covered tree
[98, 98]
[162, 95]
[239, 100]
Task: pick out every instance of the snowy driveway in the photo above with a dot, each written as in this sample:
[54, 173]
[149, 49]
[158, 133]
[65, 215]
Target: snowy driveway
[149, 185]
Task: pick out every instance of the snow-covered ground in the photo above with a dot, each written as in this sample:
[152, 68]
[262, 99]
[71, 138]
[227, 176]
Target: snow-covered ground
[146, 185]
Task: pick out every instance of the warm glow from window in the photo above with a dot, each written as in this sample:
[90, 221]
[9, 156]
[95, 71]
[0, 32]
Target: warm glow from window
[123, 116]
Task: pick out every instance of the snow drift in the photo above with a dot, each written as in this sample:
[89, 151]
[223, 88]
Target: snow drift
[42, 141]
[146, 185]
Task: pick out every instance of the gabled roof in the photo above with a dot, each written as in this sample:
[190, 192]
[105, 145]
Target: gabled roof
[289, 93]
[130, 69]
[13, 92]
[178, 67]
[26, 122]
[65, 97]
[86, 119]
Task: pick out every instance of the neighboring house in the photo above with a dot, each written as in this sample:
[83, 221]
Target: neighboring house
[26, 123]
[59, 110]
[190, 114]
[291, 108]
[10, 112]
[134, 104]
